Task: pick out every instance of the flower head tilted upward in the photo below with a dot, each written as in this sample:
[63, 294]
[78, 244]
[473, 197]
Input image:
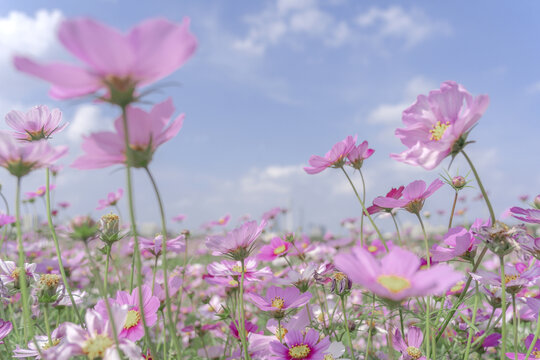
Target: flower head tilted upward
[237, 244]
[38, 123]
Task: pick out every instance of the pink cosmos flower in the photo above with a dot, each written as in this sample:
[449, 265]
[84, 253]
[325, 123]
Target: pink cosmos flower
[179, 217]
[414, 196]
[458, 241]
[228, 268]
[300, 345]
[249, 326]
[396, 276]
[5, 329]
[393, 194]
[6, 219]
[522, 356]
[147, 131]
[221, 221]
[527, 215]
[358, 154]
[111, 200]
[152, 247]
[10, 273]
[334, 158]
[96, 341]
[516, 277]
[237, 243]
[42, 341]
[148, 52]
[410, 349]
[38, 123]
[280, 299]
[437, 125]
[22, 158]
[277, 248]
[40, 192]
[132, 326]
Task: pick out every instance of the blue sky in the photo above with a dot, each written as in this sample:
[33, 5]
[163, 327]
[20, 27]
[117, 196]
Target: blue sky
[274, 82]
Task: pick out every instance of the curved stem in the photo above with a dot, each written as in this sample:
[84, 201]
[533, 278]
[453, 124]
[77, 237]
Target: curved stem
[347, 326]
[397, 228]
[365, 210]
[243, 335]
[57, 247]
[452, 212]
[364, 201]
[503, 308]
[481, 186]
[164, 259]
[536, 333]
[28, 329]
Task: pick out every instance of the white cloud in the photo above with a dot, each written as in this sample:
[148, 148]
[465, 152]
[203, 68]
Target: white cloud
[87, 119]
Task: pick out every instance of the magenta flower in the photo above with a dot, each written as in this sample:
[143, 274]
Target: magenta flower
[414, 196]
[437, 125]
[410, 349]
[535, 351]
[527, 215]
[458, 241]
[22, 158]
[392, 194]
[334, 158]
[276, 248]
[154, 246]
[38, 123]
[149, 52]
[515, 278]
[111, 200]
[6, 219]
[300, 345]
[147, 131]
[279, 299]
[249, 326]
[239, 242]
[397, 276]
[96, 341]
[358, 154]
[132, 326]
[5, 329]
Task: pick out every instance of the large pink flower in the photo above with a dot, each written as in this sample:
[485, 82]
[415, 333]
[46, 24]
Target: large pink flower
[437, 125]
[38, 123]
[147, 131]
[147, 53]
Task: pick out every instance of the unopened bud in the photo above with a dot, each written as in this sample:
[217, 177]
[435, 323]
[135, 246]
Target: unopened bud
[47, 285]
[459, 182]
[537, 201]
[109, 225]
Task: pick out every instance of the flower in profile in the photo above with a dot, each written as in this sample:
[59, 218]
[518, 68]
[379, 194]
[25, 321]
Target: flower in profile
[111, 200]
[392, 194]
[114, 61]
[530, 245]
[132, 326]
[459, 241]
[42, 342]
[527, 215]
[5, 329]
[148, 130]
[154, 246]
[221, 221]
[249, 326]
[238, 243]
[358, 154]
[38, 123]
[300, 345]
[437, 125]
[335, 158]
[96, 341]
[233, 269]
[397, 276]
[278, 300]
[6, 219]
[410, 348]
[499, 238]
[40, 192]
[515, 277]
[10, 273]
[413, 199]
[276, 248]
[22, 158]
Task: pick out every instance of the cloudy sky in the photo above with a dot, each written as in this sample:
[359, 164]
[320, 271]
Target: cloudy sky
[274, 82]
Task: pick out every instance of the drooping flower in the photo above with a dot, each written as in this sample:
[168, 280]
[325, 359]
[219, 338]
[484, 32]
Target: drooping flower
[238, 243]
[278, 300]
[299, 345]
[358, 154]
[413, 198]
[336, 157]
[22, 158]
[277, 248]
[437, 125]
[147, 131]
[38, 123]
[132, 326]
[396, 276]
[116, 62]
[527, 215]
[410, 349]
[393, 194]
[111, 200]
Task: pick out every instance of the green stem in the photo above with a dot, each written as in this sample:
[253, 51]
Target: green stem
[136, 250]
[402, 327]
[471, 331]
[47, 325]
[365, 210]
[481, 186]
[536, 333]
[397, 228]
[370, 326]
[453, 210]
[347, 326]
[364, 201]
[515, 325]
[242, 333]
[154, 274]
[164, 261]
[428, 304]
[503, 308]
[28, 329]
[106, 276]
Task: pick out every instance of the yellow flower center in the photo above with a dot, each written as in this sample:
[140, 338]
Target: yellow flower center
[328, 357]
[278, 302]
[40, 192]
[508, 278]
[95, 347]
[339, 276]
[372, 248]
[457, 287]
[304, 245]
[438, 130]
[50, 280]
[51, 344]
[237, 268]
[413, 352]
[280, 250]
[221, 221]
[536, 354]
[233, 282]
[281, 332]
[15, 274]
[394, 283]
[299, 351]
[132, 319]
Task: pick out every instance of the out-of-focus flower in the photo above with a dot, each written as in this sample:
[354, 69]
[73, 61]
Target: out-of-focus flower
[154, 246]
[40, 192]
[527, 215]
[334, 158]
[5, 329]
[42, 341]
[238, 243]
[116, 62]
[6, 219]
[228, 268]
[528, 341]
[437, 125]
[111, 200]
[300, 345]
[278, 300]
[179, 217]
[147, 131]
[410, 349]
[414, 196]
[38, 123]
[10, 273]
[276, 248]
[515, 278]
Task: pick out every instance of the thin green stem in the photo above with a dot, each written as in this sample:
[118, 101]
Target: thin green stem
[106, 276]
[364, 201]
[453, 210]
[482, 190]
[164, 261]
[154, 274]
[428, 303]
[47, 325]
[471, 331]
[536, 333]
[370, 325]
[402, 327]
[365, 210]
[503, 308]
[344, 309]
[515, 325]
[28, 330]
[397, 228]
[242, 333]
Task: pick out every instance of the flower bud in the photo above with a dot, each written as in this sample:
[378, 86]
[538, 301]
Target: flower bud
[341, 284]
[83, 227]
[537, 202]
[458, 182]
[109, 226]
[46, 288]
